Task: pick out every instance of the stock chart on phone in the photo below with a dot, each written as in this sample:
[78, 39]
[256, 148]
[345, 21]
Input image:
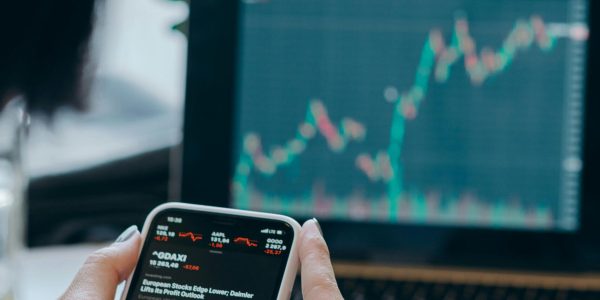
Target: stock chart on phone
[448, 113]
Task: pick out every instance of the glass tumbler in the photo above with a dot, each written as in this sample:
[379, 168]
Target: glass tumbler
[13, 127]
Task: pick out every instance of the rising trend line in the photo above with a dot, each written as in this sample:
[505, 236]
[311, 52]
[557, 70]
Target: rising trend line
[193, 236]
[316, 120]
[437, 58]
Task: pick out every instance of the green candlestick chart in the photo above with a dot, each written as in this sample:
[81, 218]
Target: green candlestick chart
[438, 63]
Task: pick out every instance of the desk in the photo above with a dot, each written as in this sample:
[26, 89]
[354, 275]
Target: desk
[45, 273]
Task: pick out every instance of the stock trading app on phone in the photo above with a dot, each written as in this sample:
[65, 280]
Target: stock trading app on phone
[200, 255]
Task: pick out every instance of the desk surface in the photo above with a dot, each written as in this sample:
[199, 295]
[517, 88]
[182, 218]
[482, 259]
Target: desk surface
[45, 273]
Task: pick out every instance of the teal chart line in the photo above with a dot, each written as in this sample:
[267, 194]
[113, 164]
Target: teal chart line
[436, 60]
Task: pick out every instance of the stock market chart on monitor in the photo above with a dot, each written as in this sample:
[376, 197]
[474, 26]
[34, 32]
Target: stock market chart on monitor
[451, 113]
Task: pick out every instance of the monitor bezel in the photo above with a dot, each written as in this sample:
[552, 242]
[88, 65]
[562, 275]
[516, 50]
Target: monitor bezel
[206, 165]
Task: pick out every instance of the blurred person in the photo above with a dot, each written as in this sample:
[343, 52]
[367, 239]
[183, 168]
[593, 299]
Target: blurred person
[43, 60]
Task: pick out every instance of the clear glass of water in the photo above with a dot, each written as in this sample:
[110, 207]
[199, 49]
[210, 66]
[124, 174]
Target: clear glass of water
[13, 127]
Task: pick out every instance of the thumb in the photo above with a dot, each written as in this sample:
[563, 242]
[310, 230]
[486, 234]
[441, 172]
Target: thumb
[106, 268]
[318, 279]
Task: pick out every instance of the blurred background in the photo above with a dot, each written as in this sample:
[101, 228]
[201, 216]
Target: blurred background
[110, 165]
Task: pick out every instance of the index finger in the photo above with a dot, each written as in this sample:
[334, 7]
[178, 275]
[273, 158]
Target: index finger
[318, 278]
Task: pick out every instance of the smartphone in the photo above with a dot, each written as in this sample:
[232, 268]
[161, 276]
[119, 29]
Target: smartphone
[201, 252]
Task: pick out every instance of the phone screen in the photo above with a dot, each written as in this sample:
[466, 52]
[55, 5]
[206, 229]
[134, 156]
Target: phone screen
[205, 255]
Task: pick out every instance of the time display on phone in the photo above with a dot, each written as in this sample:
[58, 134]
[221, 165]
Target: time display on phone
[206, 255]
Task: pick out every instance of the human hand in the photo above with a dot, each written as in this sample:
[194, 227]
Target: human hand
[107, 267]
[318, 279]
[104, 269]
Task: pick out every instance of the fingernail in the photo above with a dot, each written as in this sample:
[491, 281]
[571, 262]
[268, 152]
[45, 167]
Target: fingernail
[127, 234]
[318, 226]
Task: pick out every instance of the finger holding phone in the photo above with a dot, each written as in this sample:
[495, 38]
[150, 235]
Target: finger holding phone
[208, 254]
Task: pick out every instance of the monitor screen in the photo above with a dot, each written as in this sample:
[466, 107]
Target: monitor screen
[446, 113]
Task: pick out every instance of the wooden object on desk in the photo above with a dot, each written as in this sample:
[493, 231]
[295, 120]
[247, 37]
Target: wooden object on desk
[469, 276]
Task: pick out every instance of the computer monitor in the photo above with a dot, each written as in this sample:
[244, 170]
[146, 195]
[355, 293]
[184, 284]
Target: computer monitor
[442, 122]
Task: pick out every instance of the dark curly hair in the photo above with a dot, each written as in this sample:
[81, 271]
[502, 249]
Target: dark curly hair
[43, 52]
